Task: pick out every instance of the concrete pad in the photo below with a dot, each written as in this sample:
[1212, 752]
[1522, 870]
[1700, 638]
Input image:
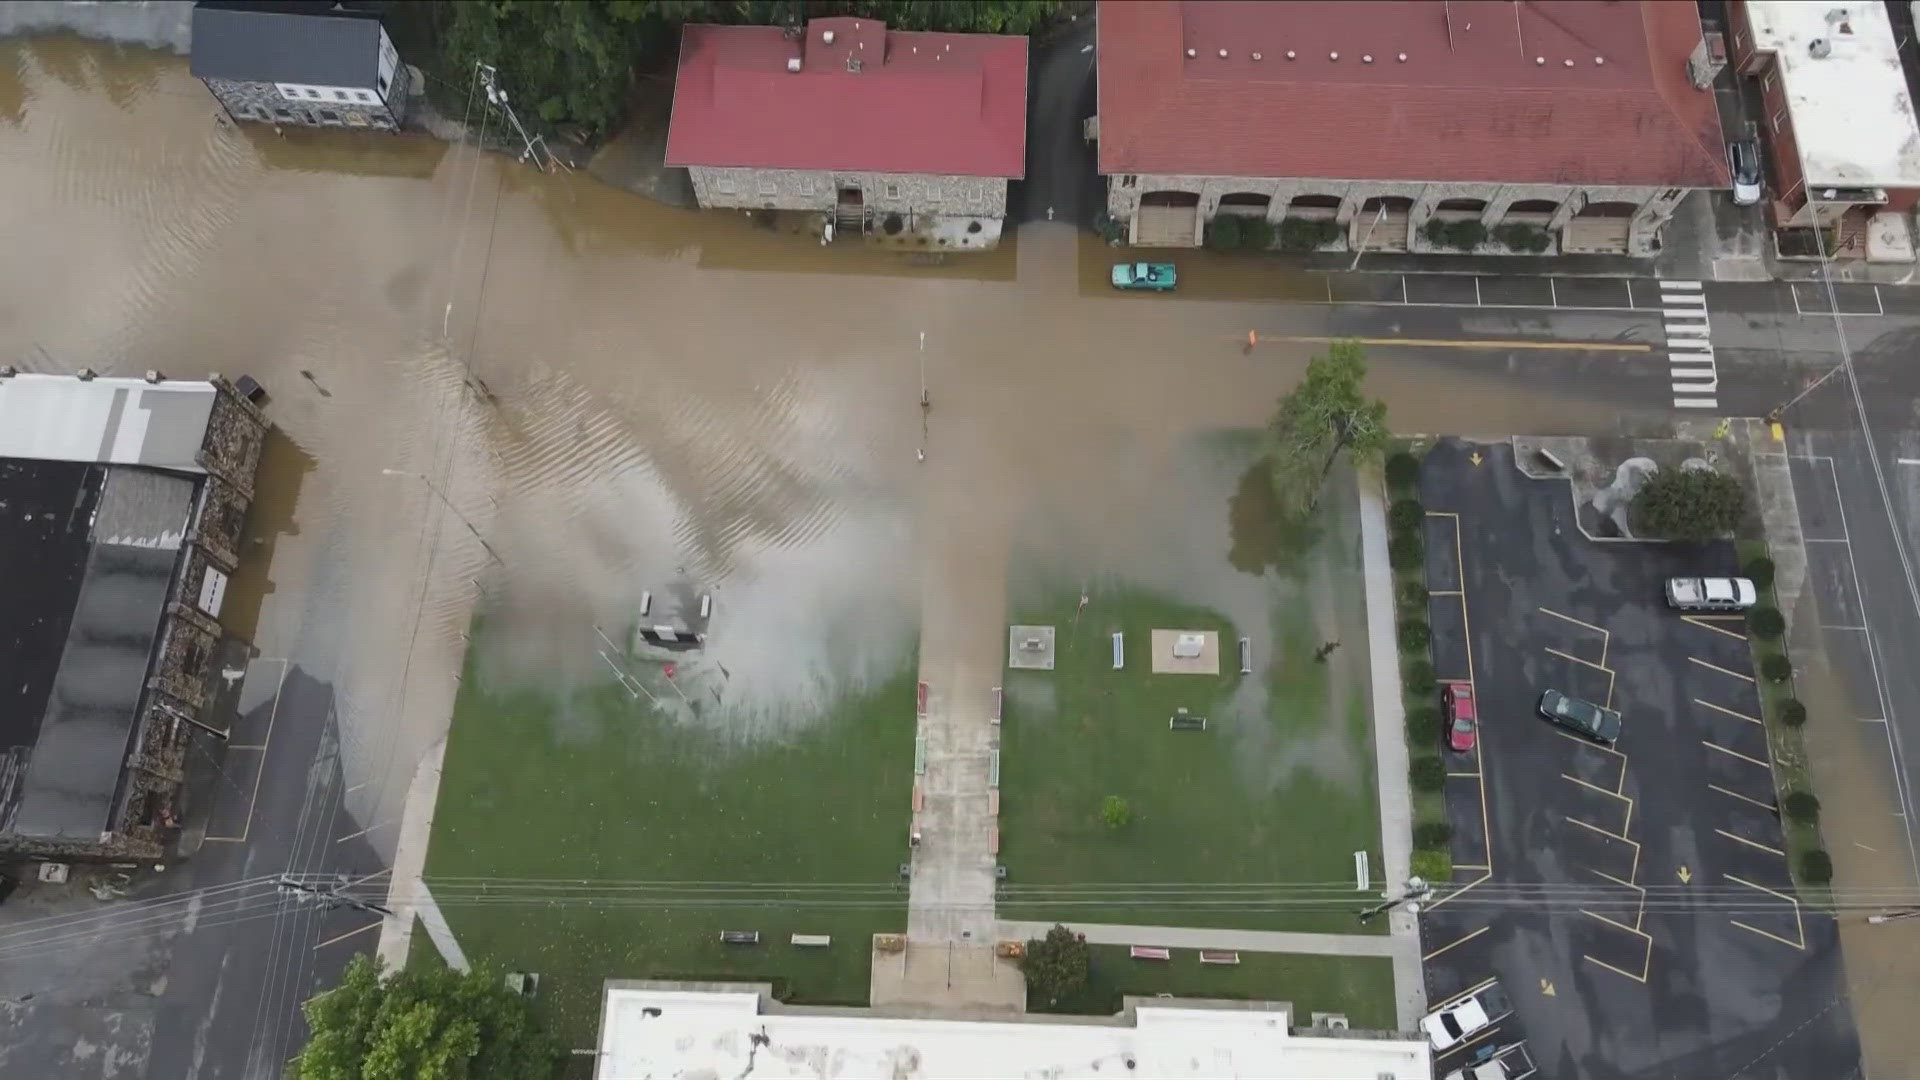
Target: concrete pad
[1030, 648]
[1515, 291]
[956, 980]
[1165, 663]
[1454, 289]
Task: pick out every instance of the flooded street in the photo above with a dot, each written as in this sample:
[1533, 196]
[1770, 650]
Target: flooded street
[610, 391]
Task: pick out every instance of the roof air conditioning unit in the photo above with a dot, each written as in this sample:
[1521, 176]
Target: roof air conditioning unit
[793, 63]
[1820, 48]
[826, 37]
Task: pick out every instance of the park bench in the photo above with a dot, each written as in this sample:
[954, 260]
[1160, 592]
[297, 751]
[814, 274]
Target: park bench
[1183, 722]
[1150, 952]
[1217, 956]
[1119, 651]
[740, 937]
[813, 941]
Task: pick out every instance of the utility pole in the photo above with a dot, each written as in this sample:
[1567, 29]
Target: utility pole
[332, 895]
[1894, 916]
[1417, 891]
[448, 503]
[489, 79]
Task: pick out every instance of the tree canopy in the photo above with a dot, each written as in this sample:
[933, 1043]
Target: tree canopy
[1056, 965]
[436, 1024]
[1688, 504]
[1328, 412]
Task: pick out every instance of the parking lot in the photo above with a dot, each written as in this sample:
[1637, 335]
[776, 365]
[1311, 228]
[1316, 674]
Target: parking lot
[1633, 900]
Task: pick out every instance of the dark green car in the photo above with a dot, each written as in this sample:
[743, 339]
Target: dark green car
[1583, 718]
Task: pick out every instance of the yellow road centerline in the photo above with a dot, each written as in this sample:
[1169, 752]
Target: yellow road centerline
[1729, 712]
[1473, 343]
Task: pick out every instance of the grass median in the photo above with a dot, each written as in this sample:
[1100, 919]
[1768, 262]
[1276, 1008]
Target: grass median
[1358, 987]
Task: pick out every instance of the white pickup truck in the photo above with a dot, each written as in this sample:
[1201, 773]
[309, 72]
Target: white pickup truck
[1711, 594]
[1497, 1063]
[1461, 1020]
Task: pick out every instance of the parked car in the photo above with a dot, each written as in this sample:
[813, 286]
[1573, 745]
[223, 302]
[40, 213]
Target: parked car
[1743, 158]
[1583, 718]
[1492, 1062]
[1711, 593]
[1157, 277]
[1457, 700]
[1459, 1021]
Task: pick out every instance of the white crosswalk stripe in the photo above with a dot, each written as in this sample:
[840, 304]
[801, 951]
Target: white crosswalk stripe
[1690, 363]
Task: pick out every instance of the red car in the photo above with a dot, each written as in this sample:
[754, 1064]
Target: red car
[1458, 699]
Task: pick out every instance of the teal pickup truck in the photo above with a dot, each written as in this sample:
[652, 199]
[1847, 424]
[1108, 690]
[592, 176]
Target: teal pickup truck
[1157, 277]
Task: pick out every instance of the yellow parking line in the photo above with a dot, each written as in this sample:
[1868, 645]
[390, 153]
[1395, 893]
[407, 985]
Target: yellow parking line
[1462, 941]
[1473, 866]
[1476, 881]
[1729, 712]
[1641, 979]
[1764, 889]
[1750, 843]
[1464, 775]
[1574, 621]
[1464, 994]
[1609, 794]
[1764, 934]
[1743, 798]
[1734, 753]
[1612, 923]
[1456, 1048]
[1575, 659]
[1718, 668]
[1598, 829]
[1445, 592]
[1470, 343]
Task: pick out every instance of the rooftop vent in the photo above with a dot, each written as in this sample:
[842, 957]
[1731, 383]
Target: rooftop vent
[854, 64]
[1256, 56]
[1223, 54]
[1367, 59]
[793, 63]
[1819, 48]
[826, 37]
[1290, 54]
[1333, 56]
[1402, 58]
[1191, 53]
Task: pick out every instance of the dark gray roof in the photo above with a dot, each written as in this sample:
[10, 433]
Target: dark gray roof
[317, 44]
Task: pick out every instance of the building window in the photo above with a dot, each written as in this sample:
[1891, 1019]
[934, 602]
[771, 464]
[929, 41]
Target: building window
[329, 116]
[1129, 181]
[806, 185]
[283, 114]
[893, 191]
[1777, 117]
[312, 93]
[933, 193]
[340, 95]
[1766, 82]
[769, 186]
[364, 95]
[383, 85]
[724, 184]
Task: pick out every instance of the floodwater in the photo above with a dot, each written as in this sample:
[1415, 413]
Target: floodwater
[614, 394]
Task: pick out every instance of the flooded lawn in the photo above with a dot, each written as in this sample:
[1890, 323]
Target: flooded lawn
[1286, 745]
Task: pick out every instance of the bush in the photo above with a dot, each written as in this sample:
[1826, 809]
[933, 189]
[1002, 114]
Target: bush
[1414, 635]
[1403, 469]
[1760, 569]
[1766, 622]
[1307, 234]
[1056, 965]
[1413, 593]
[1114, 812]
[1223, 232]
[1433, 867]
[1459, 235]
[1816, 867]
[1688, 504]
[1427, 773]
[1256, 234]
[1404, 552]
[1432, 834]
[1518, 236]
[1801, 806]
[1793, 712]
[1776, 667]
[1406, 515]
[1423, 723]
[1418, 676]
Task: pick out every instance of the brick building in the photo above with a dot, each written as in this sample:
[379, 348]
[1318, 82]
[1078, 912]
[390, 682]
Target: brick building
[128, 498]
[1576, 119]
[317, 64]
[871, 128]
[1837, 124]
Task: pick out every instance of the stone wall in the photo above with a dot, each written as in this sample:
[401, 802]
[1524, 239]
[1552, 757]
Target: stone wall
[263, 102]
[1653, 206]
[905, 193]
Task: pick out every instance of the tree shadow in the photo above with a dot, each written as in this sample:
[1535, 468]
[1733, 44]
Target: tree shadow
[1265, 534]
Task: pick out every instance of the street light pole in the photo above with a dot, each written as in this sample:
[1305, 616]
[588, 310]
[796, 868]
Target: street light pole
[448, 503]
[1417, 891]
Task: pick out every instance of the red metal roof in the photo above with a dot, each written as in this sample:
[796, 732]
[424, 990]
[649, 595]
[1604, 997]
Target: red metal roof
[947, 104]
[1587, 92]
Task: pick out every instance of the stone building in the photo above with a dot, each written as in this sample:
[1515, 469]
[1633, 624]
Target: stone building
[1572, 130]
[1832, 161]
[869, 128]
[317, 64]
[128, 497]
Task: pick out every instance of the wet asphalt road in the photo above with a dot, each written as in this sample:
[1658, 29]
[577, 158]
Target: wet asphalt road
[1656, 934]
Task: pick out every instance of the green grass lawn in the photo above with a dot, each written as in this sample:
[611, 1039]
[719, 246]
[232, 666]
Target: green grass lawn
[591, 785]
[1359, 986]
[1279, 788]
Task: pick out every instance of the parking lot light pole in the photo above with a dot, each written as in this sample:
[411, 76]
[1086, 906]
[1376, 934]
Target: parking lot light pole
[441, 495]
[1894, 916]
[1417, 891]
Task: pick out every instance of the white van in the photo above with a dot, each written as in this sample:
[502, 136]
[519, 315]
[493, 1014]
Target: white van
[1711, 594]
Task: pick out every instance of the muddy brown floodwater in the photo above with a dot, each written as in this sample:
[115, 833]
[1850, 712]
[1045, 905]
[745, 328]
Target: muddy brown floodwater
[612, 392]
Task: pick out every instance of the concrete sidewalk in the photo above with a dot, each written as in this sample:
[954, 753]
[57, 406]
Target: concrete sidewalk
[1192, 937]
[1390, 748]
[407, 894]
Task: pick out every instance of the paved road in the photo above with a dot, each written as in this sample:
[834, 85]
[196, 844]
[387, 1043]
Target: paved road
[1189, 937]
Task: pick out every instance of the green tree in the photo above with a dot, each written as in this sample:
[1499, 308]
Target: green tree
[436, 1024]
[1327, 413]
[1688, 504]
[1056, 965]
[1114, 812]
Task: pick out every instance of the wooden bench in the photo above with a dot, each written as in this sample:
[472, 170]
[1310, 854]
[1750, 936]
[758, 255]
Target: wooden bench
[995, 848]
[740, 937]
[1119, 651]
[1179, 722]
[813, 941]
[919, 799]
[1150, 952]
[993, 802]
[1217, 956]
[1246, 656]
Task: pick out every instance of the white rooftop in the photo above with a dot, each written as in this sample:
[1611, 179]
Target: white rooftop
[649, 1032]
[1852, 115]
[106, 421]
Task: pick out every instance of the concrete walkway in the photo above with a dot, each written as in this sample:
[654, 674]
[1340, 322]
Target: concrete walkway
[1390, 749]
[1193, 937]
[407, 894]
